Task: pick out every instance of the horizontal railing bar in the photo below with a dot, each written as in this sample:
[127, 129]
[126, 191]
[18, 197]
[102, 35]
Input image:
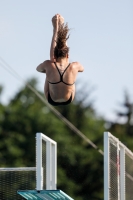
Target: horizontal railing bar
[18, 169]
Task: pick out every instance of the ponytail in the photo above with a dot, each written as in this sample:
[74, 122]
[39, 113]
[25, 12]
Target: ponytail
[61, 49]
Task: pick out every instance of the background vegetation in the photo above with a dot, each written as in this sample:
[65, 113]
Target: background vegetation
[80, 167]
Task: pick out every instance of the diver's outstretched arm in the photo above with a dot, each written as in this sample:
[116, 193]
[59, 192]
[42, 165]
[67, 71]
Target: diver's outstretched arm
[55, 21]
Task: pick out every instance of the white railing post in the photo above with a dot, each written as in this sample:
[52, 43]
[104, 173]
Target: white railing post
[54, 169]
[51, 162]
[51, 165]
[48, 165]
[39, 169]
[118, 169]
[122, 172]
[106, 166]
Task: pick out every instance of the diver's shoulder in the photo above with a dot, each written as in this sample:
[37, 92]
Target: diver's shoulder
[78, 66]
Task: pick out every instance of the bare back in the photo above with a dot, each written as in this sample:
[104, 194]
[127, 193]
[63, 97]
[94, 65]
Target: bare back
[61, 89]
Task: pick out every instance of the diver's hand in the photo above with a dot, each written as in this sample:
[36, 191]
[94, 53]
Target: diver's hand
[61, 20]
[55, 21]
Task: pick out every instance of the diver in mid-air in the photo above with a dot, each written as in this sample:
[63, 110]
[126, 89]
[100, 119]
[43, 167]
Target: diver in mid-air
[61, 75]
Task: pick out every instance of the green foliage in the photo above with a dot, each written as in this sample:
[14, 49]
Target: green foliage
[124, 131]
[80, 167]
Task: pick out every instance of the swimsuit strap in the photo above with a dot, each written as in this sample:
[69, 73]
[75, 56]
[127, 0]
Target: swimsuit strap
[61, 75]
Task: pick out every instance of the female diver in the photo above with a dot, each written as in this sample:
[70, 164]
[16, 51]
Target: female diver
[61, 75]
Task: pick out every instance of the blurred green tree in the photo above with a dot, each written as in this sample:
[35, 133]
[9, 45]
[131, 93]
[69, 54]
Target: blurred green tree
[80, 167]
[123, 126]
[1, 90]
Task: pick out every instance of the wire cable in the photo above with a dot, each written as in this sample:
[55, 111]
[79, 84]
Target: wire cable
[7, 67]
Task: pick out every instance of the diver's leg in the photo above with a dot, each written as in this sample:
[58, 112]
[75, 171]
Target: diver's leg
[46, 88]
[73, 92]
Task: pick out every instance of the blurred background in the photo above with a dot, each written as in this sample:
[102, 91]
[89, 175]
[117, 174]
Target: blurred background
[101, 39]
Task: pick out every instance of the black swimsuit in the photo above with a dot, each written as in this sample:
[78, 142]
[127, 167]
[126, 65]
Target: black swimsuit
[61, 80]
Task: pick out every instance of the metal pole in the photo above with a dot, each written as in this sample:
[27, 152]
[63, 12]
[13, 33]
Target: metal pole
[39, 169]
